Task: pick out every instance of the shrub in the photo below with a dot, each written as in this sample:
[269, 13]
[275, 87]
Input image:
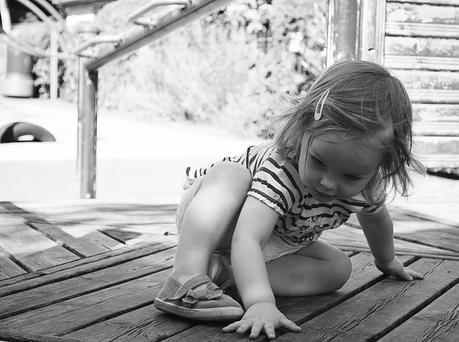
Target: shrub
[228, 69]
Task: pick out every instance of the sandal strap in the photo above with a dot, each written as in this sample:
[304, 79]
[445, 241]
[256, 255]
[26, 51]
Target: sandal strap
[189, 296]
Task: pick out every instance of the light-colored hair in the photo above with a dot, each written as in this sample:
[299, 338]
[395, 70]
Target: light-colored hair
[369, 105]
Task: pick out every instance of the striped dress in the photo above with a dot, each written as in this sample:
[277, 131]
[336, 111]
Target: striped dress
[276, 183]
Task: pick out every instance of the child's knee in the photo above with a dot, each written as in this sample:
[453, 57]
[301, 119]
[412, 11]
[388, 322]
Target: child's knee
[340, 271]
[233, 177]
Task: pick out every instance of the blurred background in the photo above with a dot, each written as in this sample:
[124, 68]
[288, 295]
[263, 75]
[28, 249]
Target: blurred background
[206, 90]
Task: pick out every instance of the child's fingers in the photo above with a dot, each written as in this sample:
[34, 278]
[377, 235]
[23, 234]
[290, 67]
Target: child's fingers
[286, 323]
[256, 328]
[244, 327]
[269, 331]
[232, 327]
[414, 274]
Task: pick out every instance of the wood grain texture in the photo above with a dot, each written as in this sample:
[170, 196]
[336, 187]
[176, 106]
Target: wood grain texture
[132, 234]
[432, 2]
[428, 80]
[80, 267]
[90, 282]
[368, 314]
[77, 313]
[439, 321]
[103, 214]
[444, 129]
[29, 247]
[433, 47]
[421, 63]
[348, 238]
[435, 112]
[8, 268]
[83, 246]
[298, 309]
[425, 13]
[422, 30]
[13, 336]
[144, 324]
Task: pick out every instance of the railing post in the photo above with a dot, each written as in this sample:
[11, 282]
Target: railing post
[372, 20]
[342, 31]
[87, 123]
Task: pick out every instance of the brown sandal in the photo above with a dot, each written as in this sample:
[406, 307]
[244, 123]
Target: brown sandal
[208, 304]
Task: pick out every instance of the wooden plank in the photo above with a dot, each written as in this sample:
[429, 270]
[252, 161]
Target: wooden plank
[353, 239]
[421, 62]
[438, 321]
[444, 129]
[8, 268]
[413, 13]
[144, 324]
[381, 307]
[29, 247]
[435, 145]
[433, 162]
[431, 2]
[23, 337]
[77, 313]
[430, 233]
[401, 214]
[422, 30]
[52, 293]
[82, 246]
[133, 234]
[428, 80]
[436, 112]
[421, 228]
[433, 96]
[434, 47]
[104, 214]
[364, 274]
[80, 267]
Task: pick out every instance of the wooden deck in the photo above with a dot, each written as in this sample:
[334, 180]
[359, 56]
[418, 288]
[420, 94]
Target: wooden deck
[89, 271]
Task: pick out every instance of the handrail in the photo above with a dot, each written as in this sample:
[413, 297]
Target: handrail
[148, 35]
[116, 39]
[148, 7]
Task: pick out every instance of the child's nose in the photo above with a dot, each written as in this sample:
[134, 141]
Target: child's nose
[328, 183]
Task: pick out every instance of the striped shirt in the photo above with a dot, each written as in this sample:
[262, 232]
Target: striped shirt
[276, 183]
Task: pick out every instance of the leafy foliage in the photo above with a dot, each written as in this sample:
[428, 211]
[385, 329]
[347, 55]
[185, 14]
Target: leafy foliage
[228, 69]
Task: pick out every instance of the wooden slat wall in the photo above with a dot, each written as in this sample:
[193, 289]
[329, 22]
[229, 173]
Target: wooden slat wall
[421, 47]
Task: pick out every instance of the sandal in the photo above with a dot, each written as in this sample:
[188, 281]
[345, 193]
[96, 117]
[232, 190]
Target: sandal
[221, 274]
[208, 304]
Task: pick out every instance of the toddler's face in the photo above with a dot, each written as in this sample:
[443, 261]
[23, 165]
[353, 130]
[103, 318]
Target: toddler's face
[334, 167]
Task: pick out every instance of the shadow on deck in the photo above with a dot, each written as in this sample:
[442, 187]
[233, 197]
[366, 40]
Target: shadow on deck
[89, 271]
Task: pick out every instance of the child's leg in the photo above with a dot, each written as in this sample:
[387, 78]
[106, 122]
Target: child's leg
[316, 269]
[210, 218]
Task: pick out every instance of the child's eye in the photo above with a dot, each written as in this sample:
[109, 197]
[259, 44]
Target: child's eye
[353, 178]
[317, 161]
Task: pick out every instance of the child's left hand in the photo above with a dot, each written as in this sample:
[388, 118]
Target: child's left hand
[395, 268]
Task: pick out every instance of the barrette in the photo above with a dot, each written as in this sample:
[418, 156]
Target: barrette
[321, 103]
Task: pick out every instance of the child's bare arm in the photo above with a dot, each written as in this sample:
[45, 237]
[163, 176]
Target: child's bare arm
[378, 229]
[255, 225]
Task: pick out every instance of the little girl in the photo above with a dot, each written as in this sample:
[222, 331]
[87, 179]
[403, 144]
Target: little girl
[337, 152]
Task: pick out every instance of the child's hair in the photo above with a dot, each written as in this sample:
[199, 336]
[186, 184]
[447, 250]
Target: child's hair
[368, 104]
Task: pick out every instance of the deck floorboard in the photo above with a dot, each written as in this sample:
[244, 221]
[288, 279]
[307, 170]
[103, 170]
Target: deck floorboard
[105, 290]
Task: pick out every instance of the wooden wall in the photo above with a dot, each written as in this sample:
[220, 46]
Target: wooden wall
[421, 47]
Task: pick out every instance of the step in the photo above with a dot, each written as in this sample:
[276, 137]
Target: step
[437, 162]
[436, 128]
[436, 145]
[435, 112]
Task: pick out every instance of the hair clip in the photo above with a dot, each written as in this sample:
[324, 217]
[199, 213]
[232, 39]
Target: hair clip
[321, 103]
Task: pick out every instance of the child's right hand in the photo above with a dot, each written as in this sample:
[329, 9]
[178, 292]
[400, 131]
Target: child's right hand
[262, 317]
